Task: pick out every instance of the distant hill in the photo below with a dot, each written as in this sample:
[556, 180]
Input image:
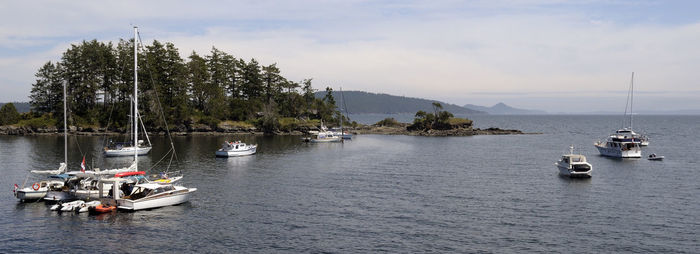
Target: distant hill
[503, 109]
[22, 107]
[359, 102]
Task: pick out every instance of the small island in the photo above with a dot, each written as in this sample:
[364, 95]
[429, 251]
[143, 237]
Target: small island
[439, 123]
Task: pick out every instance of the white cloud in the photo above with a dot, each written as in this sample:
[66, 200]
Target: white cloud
[413, 48]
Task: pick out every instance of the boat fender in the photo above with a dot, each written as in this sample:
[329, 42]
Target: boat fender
[36, 186]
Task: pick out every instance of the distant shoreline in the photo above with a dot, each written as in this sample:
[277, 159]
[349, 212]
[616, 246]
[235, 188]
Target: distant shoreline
[367, 129]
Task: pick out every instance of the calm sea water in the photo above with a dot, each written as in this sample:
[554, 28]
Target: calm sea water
[394, 194]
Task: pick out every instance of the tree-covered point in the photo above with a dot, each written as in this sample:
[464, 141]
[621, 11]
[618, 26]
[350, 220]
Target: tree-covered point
[437, 120]
[201, 89]
[8, 114]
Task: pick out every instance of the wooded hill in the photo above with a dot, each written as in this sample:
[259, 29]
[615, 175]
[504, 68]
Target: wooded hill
[199, 89]
[359, 102]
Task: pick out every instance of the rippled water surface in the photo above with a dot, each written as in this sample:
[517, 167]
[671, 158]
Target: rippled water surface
[386, 194]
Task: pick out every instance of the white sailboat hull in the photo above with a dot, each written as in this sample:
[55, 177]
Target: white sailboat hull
[25, 194]
[175, 197]
[325, 140]
[126, 151]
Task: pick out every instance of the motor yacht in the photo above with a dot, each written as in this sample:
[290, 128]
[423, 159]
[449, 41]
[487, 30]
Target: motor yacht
[237, 148]
[574, 165]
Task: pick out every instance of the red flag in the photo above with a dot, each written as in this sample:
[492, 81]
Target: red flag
[82, 165]
[16, 187]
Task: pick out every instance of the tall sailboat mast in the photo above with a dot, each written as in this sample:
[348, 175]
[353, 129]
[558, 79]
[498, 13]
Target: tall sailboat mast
[631, 100]
[65, 129]
[136, 97]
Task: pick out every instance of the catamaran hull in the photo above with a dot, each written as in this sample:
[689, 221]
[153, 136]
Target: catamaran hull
[127, 151]
[175, 198]
[223, 153]
[618, 153]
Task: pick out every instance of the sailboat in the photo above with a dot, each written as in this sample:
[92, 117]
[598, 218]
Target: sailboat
[38, 190]
[137, 146]
[148, 195]
[624, 143]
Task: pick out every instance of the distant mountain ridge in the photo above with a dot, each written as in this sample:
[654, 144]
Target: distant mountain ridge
[503, 109]
[359, 102]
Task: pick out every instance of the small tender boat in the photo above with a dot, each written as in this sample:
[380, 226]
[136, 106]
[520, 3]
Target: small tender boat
[102, 208]
[574, 165]
[654, 157]
[237, 148]
[66, 207]
[84, 207]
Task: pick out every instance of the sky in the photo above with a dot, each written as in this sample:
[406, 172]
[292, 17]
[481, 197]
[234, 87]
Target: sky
[557, 56]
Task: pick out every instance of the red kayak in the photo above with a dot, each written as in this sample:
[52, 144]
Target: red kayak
[102, 208]
[123, 174]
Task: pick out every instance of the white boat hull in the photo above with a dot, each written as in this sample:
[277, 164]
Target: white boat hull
[564, 171]
[126, 151]
[325, 140]
[56, 196]
[235, 153]
[25, 194]
[166, 199]
[618, 152]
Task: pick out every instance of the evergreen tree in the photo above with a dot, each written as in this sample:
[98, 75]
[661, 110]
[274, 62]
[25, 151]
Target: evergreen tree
[47, 92]
[8, 114]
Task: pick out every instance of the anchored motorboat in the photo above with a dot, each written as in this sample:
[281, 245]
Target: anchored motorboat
[154, 195]
[619, 146]
[237, 148]
[574, 165]
[654, 157]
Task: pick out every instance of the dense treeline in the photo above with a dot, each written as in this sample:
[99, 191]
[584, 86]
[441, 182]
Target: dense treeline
[201, 89]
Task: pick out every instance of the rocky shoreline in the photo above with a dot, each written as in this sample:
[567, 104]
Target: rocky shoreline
[365, 129]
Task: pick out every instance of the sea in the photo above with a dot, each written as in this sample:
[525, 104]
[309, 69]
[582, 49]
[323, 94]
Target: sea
[383, 193]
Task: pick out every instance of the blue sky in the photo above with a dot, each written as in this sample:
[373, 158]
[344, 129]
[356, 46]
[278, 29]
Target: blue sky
[573, 56]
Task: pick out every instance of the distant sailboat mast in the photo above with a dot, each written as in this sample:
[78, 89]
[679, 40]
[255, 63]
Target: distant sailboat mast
[631, 100]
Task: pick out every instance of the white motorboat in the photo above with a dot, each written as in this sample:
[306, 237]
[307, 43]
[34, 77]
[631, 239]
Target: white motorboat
[237, 148]
[654, 157]
[619, 146]
[323, 136]
[574, 165]
[154, 195]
